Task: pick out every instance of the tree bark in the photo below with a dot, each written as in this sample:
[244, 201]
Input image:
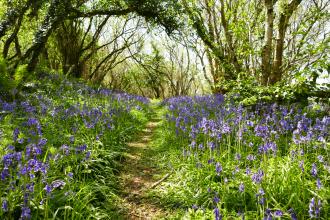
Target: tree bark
[13, 36]
[285, 16]
[229, 39]
[266, 64]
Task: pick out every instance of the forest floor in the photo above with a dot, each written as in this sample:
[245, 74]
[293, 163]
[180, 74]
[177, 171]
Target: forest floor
[140, 173]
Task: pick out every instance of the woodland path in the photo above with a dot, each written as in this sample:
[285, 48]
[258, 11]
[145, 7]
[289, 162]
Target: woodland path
[140, 173]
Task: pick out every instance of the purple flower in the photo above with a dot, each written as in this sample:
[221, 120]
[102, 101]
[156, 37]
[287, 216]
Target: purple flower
[58, 183]
[15, 134]
[4, 173]
[195, 207]
[65, 149]
[218, 168]
[30, 187]
[278, 213]
[301, 165]
[314, 170]
[32, 121]
[238, 157]
[20, 141]
[251, 157]
[320, 158]
[70, 174]
[26, 213]
[88, 154]
[318, 183]
[241, 187]
[261, 131]
[193, 144]
[211, 145]
[314, 208]
[72, 139]
[81, 148]
[257, 177]
[42, 142]
[292, 214]
[216, 199]
[217, 214]
[48, 189]
[268, 214]
[4, 205]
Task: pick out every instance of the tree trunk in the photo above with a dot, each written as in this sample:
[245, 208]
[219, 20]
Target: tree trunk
[13, 36]
[266, 63]
[229, 39]
[285, 16]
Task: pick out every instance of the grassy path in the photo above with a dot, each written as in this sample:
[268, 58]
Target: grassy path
[140, 173]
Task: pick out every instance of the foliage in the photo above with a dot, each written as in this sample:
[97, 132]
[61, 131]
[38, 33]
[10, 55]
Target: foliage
[6, 83]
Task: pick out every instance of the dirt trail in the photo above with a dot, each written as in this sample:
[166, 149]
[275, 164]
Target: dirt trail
[139, 174]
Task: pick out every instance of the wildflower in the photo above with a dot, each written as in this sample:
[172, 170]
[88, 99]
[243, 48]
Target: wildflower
[70, 174]
[211, 145]
[314, 209]
[261, 131]
[318, 183]
[42, 142]
[4, 173]
[65, 149]
[217, 214]
[241, 187]
[8, 159]
[218, 168]
[26, 213]
[314, 170]
[261, 197]
[257, 177]
[15, 134]
[88, 154]
[30, 187]
[216, 199]
[20, 141]
[320, 158]
[268, 215]
[48, 189]
[195, 207]
[58, 183]
[292, 214]
[278, 213]
[72, 139]
[193, 144]
[238, 156]
[4, 205]
[301, 165]
[251, 157]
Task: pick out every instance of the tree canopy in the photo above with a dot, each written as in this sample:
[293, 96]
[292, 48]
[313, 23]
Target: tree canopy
[261, 42]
